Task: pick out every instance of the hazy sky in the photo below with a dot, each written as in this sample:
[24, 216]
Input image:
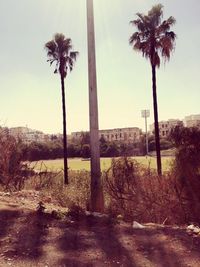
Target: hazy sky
[30, 93]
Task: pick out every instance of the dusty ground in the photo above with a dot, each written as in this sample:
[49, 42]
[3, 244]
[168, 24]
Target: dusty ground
[28, 238]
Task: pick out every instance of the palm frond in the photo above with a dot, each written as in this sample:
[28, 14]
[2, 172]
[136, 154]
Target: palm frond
[156, 11]
[50, 46]
[165, 25]
[73, 55]
[59, 39]
[134, 38]
[171, 35]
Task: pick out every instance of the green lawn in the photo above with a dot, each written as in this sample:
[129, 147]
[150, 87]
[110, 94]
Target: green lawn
[79, 164]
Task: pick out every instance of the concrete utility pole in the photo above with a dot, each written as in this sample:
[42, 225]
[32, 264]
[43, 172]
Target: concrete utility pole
[145, 114]
[97, 200]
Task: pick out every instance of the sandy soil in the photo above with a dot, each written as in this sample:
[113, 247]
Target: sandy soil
[28, 238]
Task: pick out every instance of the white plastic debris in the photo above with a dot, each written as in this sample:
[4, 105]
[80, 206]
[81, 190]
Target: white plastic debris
[96, 214]
[191, 227]
[194, 229]
[119, 217]
[137, 225]
[99, 215]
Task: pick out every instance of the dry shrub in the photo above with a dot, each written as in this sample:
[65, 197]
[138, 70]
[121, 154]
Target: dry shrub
[44, 178]
[186, 169]
[77, 192]
[140, 194]
[13, 172]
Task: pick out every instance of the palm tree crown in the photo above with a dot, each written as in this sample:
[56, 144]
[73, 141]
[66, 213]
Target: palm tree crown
[153, 38]
[59, 51]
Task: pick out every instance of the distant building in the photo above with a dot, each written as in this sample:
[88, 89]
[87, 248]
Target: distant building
[131, 134]
[165, 127]
[28, 135]
[192, 120]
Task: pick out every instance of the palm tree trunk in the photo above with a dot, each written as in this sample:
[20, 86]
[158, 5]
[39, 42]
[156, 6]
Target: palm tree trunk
[155, 107]
[64, 132]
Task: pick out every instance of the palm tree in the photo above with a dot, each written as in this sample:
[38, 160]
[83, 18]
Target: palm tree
[59, 50]
[154, 39]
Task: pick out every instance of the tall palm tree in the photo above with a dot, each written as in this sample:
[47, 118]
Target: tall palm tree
[154, 39]
[59, 50]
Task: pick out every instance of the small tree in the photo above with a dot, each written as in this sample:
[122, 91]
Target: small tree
[59, 50]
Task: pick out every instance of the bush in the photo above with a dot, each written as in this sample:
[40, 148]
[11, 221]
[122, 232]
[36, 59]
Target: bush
[187, 169]
[139, 194]
[13, 171]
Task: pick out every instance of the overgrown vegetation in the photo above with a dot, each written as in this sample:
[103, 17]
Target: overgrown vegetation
[186, 169]
[13, 171]
[131, 190]
[139, 194]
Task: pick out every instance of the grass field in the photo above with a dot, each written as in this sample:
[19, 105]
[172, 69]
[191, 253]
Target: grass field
[79, 164]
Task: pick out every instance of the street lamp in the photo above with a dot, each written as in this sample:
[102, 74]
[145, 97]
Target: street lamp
[145, 114]
[97, 202]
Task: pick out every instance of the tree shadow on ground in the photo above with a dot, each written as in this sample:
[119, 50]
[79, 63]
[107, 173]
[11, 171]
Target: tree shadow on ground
[69, 262]
[97, 244]
[109, 242]
[30, 238]
[7, 219]
[73, 241]
[157, 245]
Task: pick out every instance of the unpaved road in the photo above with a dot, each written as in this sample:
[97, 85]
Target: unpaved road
[31, 239]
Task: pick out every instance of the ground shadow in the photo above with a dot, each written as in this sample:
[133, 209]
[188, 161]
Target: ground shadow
[155, 244]
[7, 219]
[116, 254]
[69, 262]
[31, 237]
[99, 242]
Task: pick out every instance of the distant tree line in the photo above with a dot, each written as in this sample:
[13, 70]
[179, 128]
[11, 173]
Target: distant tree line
[81, 148]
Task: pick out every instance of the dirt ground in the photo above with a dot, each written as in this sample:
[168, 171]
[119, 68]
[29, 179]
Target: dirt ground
[28, 238]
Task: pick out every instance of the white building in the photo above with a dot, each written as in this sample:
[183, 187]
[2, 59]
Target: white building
[28, 135]
[130, 134]
[165, 127]
[192, 120]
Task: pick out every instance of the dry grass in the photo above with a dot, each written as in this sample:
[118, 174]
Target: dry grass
[51, 184]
